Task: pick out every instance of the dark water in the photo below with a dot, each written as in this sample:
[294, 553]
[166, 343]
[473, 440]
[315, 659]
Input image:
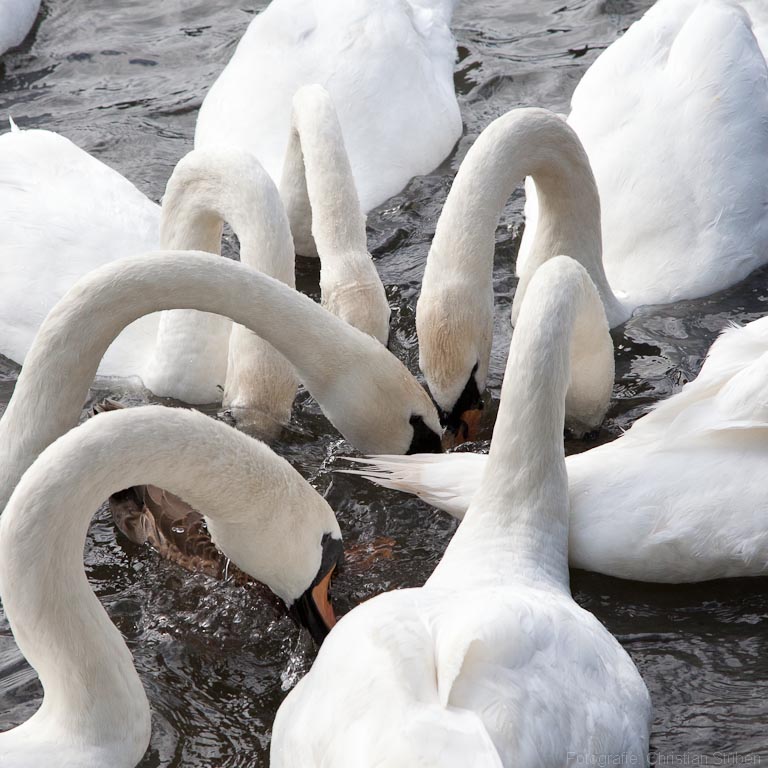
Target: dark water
[124, 81]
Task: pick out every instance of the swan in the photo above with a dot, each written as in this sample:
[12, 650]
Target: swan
[673, 119]
[362, 388]
[454, 313]
[16, 19]
[676, 498]
[491, 662]
[388, 65]
[261, 512]
[90, 212]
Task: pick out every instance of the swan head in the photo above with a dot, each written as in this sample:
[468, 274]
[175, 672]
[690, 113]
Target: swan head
[455, 333]
[313, 609]
[375, 401]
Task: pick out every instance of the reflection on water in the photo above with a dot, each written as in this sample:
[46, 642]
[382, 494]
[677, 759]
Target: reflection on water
[124, 81]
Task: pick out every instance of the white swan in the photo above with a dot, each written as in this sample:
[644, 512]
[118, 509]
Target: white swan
[491, 662]
[388, 65]
[16, 19]
[673, 118]
[454, 314]
[261, 512]
[90, 215]
[679, 497]
[362, 388]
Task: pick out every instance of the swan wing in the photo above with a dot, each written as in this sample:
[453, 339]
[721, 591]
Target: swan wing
[546, 678]
[732, 364]
[62, 214]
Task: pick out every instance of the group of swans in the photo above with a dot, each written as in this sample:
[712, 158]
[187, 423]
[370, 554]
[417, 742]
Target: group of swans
[677, 498]
[491, 662]
[185, 354]
[447, 671]
[452, 668]
[671, 120]
[664, 484]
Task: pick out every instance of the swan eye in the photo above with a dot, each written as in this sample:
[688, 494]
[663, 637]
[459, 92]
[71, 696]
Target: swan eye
[424, 439]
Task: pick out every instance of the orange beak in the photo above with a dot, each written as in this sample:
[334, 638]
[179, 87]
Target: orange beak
[468, 429]
[323, 601]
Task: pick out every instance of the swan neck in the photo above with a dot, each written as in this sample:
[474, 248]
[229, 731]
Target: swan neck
[524, 142]
[318, 185]
[210, 187]
[62, 362]
[517, 523]
[92, 691]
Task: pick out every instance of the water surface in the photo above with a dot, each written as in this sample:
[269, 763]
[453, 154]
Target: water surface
[124, 81]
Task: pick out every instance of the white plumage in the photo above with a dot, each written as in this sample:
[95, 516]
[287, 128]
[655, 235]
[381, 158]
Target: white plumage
[674, 119]
[387, 64]
[491, 663]
[679, 497]
[16, 19]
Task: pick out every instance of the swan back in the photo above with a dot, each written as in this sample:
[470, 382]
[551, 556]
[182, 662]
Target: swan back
[387, 64]
[684, 182]
[62, 214]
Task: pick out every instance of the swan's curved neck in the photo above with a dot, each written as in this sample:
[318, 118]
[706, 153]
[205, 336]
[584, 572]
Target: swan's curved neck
[209, 187]
[524, 142]
[318, 187]
[517, 524]
[212, 186]
[63, 359]
[92, 692]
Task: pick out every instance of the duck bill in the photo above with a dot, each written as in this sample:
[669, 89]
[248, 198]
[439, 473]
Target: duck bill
[465, 430]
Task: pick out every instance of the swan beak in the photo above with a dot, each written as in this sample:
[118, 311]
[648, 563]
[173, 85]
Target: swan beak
[313, 609]
[467, 429]
[322, 600]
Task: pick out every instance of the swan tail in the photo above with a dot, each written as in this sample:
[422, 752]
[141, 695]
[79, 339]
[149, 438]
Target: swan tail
[439, 480]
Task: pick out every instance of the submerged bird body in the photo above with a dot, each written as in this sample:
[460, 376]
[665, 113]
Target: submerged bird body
[387, 64]
[676, 498]
[491, 663]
